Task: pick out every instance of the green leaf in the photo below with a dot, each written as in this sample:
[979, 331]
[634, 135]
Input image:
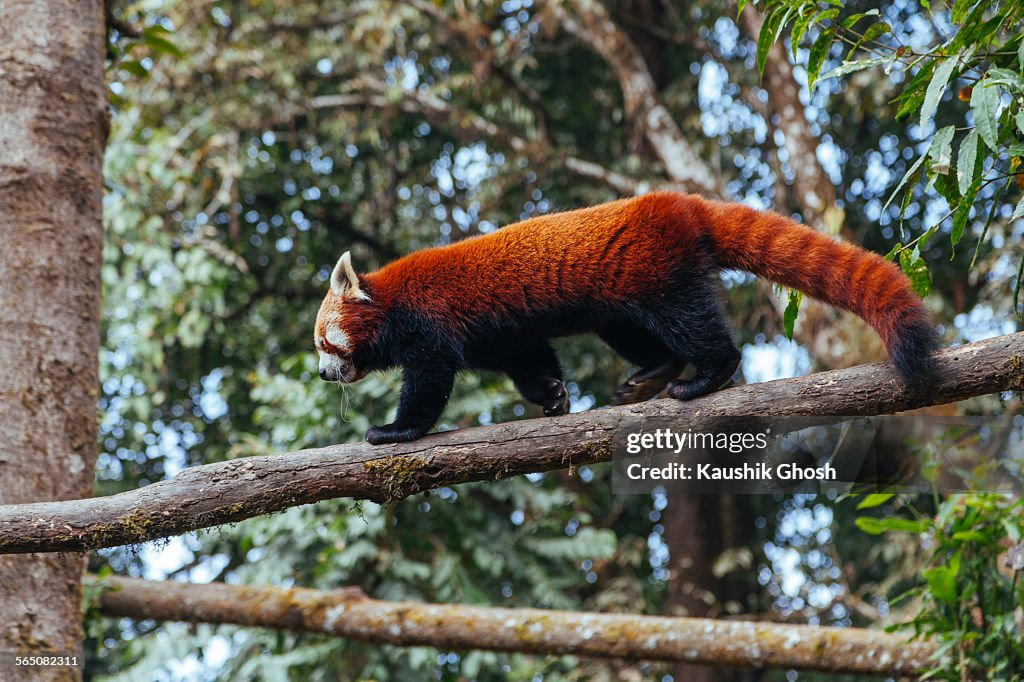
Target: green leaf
[764, 43]
[1006, 77]
[916, 270]
[825, 15]
[969, 535]
[970, 30]
[965, 159]
[963, 211]
[958, 12]
[155, 29]
[912, 95]
[942, 583]
[851, 20]
[936, 87]
[1020, 55]
[946, 185]
[161, 44]
[874, 30]
[117, 101]
[135, 68]
[1018, 212]
[789, 316]
[941, 150]
[873, 526]
[925, 236]
[875, 500]
[913, 169]
[869, 524]
[770, 30]
[907, 196]
[1020, 274]
[960, 216]
[851, 67]
[742, 4]
[818, 53]
[1019, 118]
[985, 109]
[904, 525]
[799, 28]
[1012, 529]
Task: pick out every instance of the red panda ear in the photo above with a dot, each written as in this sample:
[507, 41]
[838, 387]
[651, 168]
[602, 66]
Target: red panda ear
[344, 281]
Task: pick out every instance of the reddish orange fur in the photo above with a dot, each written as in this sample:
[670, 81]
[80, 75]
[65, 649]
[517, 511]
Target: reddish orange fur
[654, 235]
[635, 271]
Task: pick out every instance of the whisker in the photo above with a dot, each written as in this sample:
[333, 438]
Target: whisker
[343, 407]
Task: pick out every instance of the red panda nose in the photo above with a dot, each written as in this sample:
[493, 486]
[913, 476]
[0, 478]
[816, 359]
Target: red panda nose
[325, 375]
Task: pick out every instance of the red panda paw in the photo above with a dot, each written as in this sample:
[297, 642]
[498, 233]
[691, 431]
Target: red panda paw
[558, 402]
[389, 433]
[646, 383]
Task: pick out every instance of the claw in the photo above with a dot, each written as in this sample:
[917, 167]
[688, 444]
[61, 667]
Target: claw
[646, 384]
[559, 403]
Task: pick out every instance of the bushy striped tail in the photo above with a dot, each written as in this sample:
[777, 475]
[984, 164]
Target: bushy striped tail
[841, 274]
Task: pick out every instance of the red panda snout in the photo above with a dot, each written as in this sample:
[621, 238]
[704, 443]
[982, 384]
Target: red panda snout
[334, 348]
[338, 370]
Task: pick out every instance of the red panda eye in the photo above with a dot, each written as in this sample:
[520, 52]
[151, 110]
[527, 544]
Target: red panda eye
[331, 349]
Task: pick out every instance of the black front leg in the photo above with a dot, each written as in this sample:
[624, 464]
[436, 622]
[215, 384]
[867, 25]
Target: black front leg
[533, 368]
[425, 393]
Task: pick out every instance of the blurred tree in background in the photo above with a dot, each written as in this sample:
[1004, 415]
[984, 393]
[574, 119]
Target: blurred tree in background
[253, 142]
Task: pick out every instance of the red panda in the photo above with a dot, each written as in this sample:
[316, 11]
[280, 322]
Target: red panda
[635, 271]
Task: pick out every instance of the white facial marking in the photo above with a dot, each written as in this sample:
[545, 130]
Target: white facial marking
[337, 338]
[329, 363]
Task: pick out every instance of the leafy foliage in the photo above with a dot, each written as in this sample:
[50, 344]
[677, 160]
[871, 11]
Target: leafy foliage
[983, 60]
[971, 591]
[276, 135]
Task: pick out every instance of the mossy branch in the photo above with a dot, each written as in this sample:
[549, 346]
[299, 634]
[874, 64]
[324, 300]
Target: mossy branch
[224, 492]
[351, 614]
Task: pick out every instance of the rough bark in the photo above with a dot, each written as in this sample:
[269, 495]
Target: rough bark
[219, 493]
[52, 133]
[351, 614]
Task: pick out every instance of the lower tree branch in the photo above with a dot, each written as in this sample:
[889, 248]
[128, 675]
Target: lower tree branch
[349, 613]
[224, 492]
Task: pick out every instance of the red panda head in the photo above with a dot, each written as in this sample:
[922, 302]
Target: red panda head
[345, 323]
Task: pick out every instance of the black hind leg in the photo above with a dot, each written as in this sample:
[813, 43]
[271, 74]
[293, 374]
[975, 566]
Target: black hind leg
[535, 371]
[692, 326]
[658, 365]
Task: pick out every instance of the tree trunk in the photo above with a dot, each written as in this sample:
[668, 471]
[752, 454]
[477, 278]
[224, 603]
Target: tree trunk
[52, 133]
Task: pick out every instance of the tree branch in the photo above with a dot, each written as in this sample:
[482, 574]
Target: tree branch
[351, 614]
[589, 22]
[224, 492]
